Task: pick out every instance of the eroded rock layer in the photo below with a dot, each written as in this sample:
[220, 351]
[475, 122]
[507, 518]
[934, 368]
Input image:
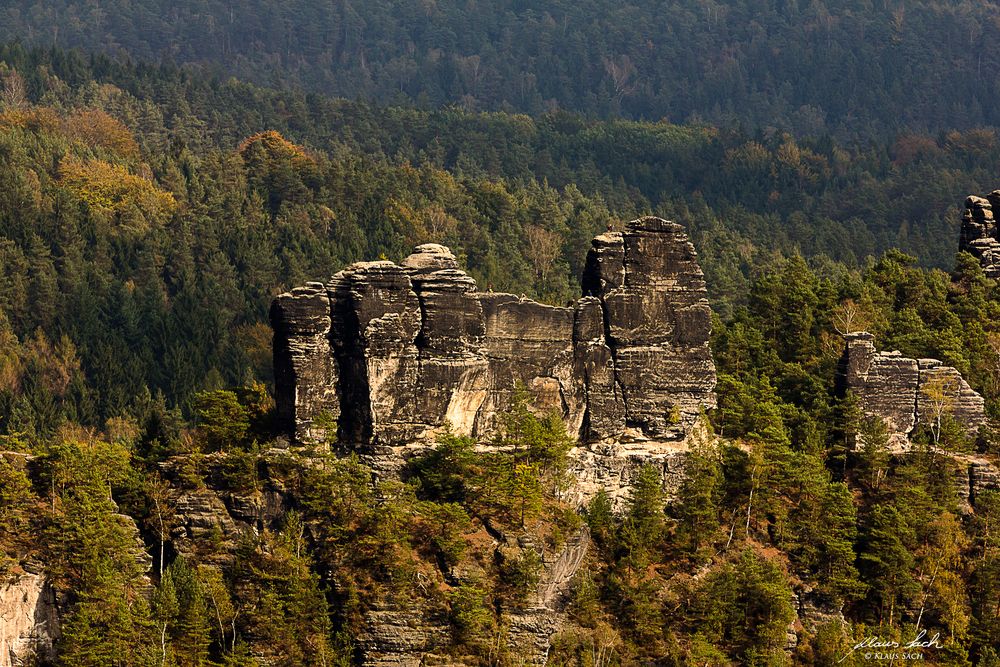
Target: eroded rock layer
[904, 392]
[392, 353]
[29, 620]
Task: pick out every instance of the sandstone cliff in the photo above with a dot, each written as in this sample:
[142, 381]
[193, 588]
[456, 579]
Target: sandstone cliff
[904, 392]
[384, 356]
[980, 236]
[29, 620]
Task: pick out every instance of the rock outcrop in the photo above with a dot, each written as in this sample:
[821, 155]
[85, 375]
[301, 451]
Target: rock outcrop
[980, 235]
[657, 325]
[29, 621]
[397, 636]
[208, 519]
[542, 615]
[306, 378]
[391, 354]
[983, 475]
[904, 392]
[408, 635]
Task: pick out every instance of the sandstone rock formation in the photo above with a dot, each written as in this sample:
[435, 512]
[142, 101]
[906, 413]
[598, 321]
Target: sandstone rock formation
[905, 392]
[980, 235]
[206, 518]
[305, 371]
[983, 475]
[657, 323]
[413, 634]
[397, 636]
[391, 353]
[542, 615]
[29, 621]
[973, 475]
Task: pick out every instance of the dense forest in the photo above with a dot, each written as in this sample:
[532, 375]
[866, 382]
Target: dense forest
[853, 69]
[150, 212]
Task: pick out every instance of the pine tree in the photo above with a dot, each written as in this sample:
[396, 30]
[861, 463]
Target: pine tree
[192, 636]
[697, 507]
[886, 561]
[644, 523]
[601, 521]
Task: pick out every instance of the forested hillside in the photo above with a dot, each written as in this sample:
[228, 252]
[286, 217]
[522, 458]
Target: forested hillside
[149, 214]
[856, 70]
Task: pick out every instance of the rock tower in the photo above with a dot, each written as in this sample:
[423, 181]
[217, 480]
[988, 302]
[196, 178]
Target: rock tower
[382, 356]
[980, 236]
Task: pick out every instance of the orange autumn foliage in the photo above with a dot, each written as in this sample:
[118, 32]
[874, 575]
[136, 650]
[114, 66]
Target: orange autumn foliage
[111, 188]
[97, 129]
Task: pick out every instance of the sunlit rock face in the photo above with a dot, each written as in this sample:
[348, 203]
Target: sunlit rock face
[383, 357]
[904, 392]
[29, 620]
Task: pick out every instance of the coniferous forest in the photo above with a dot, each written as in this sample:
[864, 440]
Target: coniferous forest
[167, 169]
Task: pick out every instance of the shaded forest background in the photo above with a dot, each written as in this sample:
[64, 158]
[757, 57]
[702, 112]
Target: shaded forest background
[162, 282]
[853, 69]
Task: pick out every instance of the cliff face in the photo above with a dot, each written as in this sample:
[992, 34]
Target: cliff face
[905, 392]
[388, 354]
[980, 236]
[29, 621]
[657, 325]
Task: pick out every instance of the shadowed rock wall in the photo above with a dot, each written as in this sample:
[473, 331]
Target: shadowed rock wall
[388, 354]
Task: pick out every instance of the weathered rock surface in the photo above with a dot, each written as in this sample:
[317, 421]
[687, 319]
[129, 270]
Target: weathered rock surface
[29, 621]
[532, 624]
[397, 352]
[812, 612]
[404, 636]
[944, 390]
[207, 519]
[980, 235]
[401, 637]
[611, 466]
[904, 392]
[306, 375]
[657, 325]
[885, 384]
[530, 344]
[983, 475]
